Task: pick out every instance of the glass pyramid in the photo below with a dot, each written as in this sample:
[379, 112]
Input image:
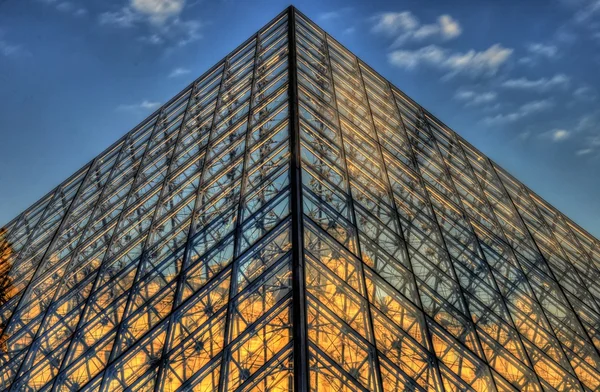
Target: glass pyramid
[292, 221]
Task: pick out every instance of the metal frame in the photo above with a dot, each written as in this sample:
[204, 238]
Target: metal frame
[301, 367]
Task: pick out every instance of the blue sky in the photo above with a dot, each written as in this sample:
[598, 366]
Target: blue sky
[518, 79]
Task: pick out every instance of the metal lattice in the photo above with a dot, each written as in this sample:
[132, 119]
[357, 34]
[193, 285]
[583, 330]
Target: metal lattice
[292, 221]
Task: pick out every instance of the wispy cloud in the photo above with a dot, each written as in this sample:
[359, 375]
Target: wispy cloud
[10, 49]
[587, 11]
[473, 62]
[123, 18]
[392, 23]
[591, 145]
[473, 98]
[585, 93]
[584, 23]
[187, 31]
[152, 39]
[594, 141]
[336, 14]
[524, 110]
[161, 19]
[158, 11]
[565, 35]
[329, 15]
[66, 7]
[544, 50]
[405, 27]
[541, 85]
[537, 52]
[586, 133]
[349, 30]
[145, 105]
[179, 72]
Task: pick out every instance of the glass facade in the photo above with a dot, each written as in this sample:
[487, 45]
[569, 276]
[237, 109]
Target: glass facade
[292, 221]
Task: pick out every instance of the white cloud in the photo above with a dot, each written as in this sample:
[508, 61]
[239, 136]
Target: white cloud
[590, 124]
[524, 110]
[349, 30]
[487, 61]
[179, 72]
[391, 23]
[80, 12]
[188, 31]
[405, 27]
[538, 52]
[464, 95]
[542, 84]
[472, 98]
[565, 35]
[536, 106]
[527, 60]
[421, 33]
[409, 59]
[558, 135]
[155, 12]
[524, 135]
[123, 18]
[474, 63]
[588, 127]
[450, 28]
[66, 7]
[331, 15]
[152, 39]
[161, 18]
[585, 93]
[9, 49]
[158, 11]
[544, 50]
[145, 105]
[588, 11]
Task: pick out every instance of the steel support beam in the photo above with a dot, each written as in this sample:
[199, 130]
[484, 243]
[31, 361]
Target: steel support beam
[299, 326]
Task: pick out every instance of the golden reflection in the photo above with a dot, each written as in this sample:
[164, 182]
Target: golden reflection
[259, 301]
[136, 364]
[459, 362]
[396, 309]
[86, 368]
[195, 353]
[6, 284]
[257, 348]
[346, 305]
[340, 344]
[402, 351]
